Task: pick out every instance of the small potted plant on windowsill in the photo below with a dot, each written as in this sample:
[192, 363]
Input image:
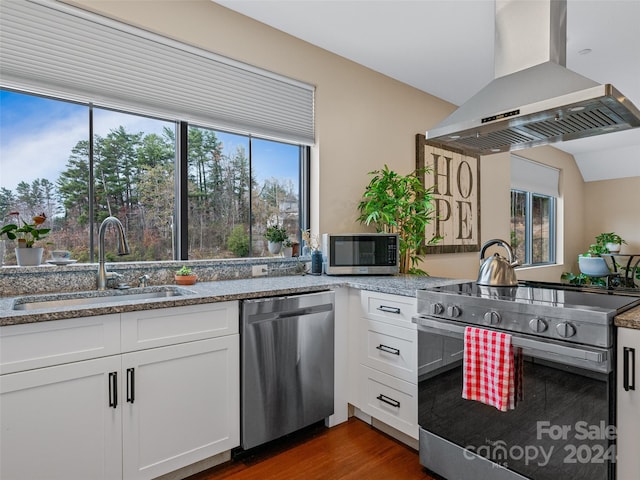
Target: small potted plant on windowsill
[27, 234]
[185, 276]
[287, 248]
[275, 235]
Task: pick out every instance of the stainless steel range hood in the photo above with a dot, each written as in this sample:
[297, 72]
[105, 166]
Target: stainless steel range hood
[534, 100]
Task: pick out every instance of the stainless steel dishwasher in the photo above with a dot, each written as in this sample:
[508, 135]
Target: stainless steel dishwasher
[287, 367]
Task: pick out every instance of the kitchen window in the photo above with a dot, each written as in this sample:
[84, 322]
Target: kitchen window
[534, 190]
[233, 187]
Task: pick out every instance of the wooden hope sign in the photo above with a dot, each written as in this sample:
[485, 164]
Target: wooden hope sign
[455, 178]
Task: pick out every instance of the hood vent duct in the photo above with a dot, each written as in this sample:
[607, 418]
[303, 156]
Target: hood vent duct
[534, 100]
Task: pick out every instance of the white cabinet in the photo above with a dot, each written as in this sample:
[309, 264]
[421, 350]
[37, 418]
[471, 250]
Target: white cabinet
[387, 361]
[628, 403]
[180, 405]
[160, 393]
[56, 423]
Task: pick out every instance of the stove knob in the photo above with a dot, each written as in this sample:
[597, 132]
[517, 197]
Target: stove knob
[437, 308]
[566, 330]
[537, 325]
[492, 318]
[453, 311]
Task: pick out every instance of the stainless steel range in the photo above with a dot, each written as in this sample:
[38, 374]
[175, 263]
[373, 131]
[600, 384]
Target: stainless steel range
[564, 425]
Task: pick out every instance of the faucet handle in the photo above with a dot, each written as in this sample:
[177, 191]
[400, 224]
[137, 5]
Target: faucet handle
[143, 281]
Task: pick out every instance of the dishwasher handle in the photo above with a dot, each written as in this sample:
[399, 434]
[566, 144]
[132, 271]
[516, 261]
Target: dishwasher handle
[290, 313]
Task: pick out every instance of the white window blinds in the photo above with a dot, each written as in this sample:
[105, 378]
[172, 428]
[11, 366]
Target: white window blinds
[534, 177]
[54, 49]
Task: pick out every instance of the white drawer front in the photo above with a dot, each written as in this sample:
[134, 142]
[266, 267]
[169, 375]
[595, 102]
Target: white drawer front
[389, 348]
[390, 400]
[167, 326]
[36, 345]
[389, 308]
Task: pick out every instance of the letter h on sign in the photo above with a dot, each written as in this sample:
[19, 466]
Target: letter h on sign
[455, 179]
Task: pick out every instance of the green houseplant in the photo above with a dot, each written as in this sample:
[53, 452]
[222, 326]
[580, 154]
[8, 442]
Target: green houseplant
[611, 241]
[400, 204]
[275, 235]
[591, 263]
[27, 234]
[185, 276]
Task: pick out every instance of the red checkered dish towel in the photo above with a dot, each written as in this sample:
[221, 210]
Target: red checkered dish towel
[489, 368]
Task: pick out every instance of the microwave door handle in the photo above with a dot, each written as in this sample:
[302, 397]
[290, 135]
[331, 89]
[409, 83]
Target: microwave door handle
[457, 331]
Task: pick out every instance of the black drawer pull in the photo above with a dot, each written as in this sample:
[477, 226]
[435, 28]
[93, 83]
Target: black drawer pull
[388, 400]
[113, 389]
[629, 368]
[387, 309]
[387, 349]
[131, 386]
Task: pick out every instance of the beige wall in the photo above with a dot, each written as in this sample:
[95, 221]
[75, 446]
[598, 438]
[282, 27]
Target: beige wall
[363, 121]
[613, 206]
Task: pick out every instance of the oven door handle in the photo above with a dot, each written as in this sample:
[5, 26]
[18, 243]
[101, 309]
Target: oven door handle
[581, 353]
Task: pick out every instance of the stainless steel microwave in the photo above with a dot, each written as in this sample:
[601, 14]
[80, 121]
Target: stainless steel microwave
[360, 253]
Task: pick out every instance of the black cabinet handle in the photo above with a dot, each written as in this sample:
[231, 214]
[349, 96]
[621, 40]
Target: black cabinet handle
[387, 349]
[131, 385]
[629, 368]
[385, 308]
[113, 389]
[388, 400]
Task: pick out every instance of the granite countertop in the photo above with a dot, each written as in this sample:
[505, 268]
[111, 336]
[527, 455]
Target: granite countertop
[629, 319]
[218, 291]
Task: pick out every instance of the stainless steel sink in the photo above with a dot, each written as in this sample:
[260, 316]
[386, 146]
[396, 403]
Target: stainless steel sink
[39, 302]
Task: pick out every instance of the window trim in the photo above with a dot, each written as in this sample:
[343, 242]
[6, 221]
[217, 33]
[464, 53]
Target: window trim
[553, 238]
[180, 244]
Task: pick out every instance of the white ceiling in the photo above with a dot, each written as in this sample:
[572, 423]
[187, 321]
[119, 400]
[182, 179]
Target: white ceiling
[445, 48]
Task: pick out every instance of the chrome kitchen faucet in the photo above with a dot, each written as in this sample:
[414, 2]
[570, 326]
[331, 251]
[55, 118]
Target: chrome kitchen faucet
[123, 249]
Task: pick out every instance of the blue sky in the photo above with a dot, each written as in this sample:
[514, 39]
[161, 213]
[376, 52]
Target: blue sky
[37, 135]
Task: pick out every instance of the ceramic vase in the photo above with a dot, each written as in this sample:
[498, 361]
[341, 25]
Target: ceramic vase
[593, 266]
[613, 247]
[29, 257]
[316, 262]
[274, 247]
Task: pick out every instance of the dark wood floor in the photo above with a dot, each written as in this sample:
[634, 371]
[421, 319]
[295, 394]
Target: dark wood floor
[351, 451]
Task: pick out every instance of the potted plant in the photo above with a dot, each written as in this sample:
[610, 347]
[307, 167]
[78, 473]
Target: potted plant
[275, 235]
[591, 263]
[185, 276]
[27, 234]
[400, 204]
[287, 248]
[611, 240]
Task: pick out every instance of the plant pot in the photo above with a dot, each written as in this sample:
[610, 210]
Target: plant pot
[593, 266]
[613, 247]
[287, 252]
[274, 247]
[3, 246]
[29, 257]
[186, 279]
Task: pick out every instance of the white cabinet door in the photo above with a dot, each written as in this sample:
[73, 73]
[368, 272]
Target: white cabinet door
[628, 428]
[180, 405]
[56, 423]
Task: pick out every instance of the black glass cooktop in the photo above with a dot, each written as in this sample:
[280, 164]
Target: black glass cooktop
[544, 293]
